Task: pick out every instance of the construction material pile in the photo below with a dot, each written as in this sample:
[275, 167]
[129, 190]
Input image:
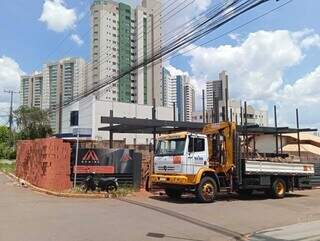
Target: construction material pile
[44, 163]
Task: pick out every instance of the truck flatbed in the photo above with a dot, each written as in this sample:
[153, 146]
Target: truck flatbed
[278, 168]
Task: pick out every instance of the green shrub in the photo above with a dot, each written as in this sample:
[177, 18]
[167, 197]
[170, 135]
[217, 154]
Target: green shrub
[7, 152]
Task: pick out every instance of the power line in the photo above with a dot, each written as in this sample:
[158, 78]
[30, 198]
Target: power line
[205, 13]
[106, 58]
[234, 29]
[205, 28]
[85, 35]
[167, 49]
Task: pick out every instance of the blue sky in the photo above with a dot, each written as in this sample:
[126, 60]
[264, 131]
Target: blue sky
[26, 43]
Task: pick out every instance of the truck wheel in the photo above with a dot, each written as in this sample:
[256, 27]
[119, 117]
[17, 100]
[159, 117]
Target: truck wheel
[173, 193]
[207, 190]
[278, 189]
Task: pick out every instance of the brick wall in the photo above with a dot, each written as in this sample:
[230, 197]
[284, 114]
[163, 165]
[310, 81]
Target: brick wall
[44, 163]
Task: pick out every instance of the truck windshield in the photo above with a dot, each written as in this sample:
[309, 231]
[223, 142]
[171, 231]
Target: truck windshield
[171, 147]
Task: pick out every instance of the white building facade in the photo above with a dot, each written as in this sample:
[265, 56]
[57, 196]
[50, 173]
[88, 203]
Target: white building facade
[185, 96]
[90, 110]
[168, 87]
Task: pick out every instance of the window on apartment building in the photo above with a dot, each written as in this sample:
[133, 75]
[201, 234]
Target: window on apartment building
[74, 118]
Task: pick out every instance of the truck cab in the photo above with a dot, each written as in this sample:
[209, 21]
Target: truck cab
[180, 161]
[182, 153]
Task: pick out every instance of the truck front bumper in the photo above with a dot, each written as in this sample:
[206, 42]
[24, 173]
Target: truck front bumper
[172, 179]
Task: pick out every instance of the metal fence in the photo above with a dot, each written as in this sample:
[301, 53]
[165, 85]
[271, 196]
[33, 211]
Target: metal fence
[315, 180]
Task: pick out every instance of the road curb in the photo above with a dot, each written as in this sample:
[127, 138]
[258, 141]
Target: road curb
[57, 194]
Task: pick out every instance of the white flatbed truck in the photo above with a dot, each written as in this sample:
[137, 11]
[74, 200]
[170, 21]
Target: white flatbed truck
[216, 160]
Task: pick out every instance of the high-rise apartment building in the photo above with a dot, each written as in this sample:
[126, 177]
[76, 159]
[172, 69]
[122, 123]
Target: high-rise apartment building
[185, 98]
[123, 37]
[168, 89]
[217, 93]
[62, 82]
[189, 100]
[31, 88]
[216, 90]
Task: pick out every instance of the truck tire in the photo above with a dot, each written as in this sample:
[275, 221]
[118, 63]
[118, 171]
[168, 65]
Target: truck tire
[173, 193]
[207, 190]
[278, 189]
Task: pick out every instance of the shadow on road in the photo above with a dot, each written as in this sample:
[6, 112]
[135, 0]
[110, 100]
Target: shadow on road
[232, 197]
[162, 235]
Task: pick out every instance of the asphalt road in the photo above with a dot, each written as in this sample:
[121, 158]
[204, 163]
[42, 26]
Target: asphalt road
[29, 216]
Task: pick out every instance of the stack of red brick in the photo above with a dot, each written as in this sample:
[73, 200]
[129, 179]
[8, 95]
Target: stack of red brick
[44, 163]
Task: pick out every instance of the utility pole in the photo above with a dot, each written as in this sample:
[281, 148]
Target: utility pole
[11, 92]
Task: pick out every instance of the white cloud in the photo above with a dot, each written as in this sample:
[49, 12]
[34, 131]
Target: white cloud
[10, 73]
[303, 94]
[175, 71]
[236, 37]
[75, 38]
[256, 66]
[306, 88]
[311, 41]
[57, 16]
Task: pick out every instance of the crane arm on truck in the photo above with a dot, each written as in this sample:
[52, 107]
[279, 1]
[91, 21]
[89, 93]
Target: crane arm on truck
[221, 145]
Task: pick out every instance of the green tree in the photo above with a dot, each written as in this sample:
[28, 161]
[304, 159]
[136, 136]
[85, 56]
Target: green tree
[7, 149]
[32, 123]
[4, 134]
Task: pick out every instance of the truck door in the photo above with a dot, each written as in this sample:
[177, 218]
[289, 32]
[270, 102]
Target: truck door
[197, 154]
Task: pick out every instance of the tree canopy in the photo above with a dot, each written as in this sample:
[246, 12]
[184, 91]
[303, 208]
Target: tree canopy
[32, 123]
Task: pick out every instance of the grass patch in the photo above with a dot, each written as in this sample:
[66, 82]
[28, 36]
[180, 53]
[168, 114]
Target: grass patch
[8, 167]
[122, 191]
